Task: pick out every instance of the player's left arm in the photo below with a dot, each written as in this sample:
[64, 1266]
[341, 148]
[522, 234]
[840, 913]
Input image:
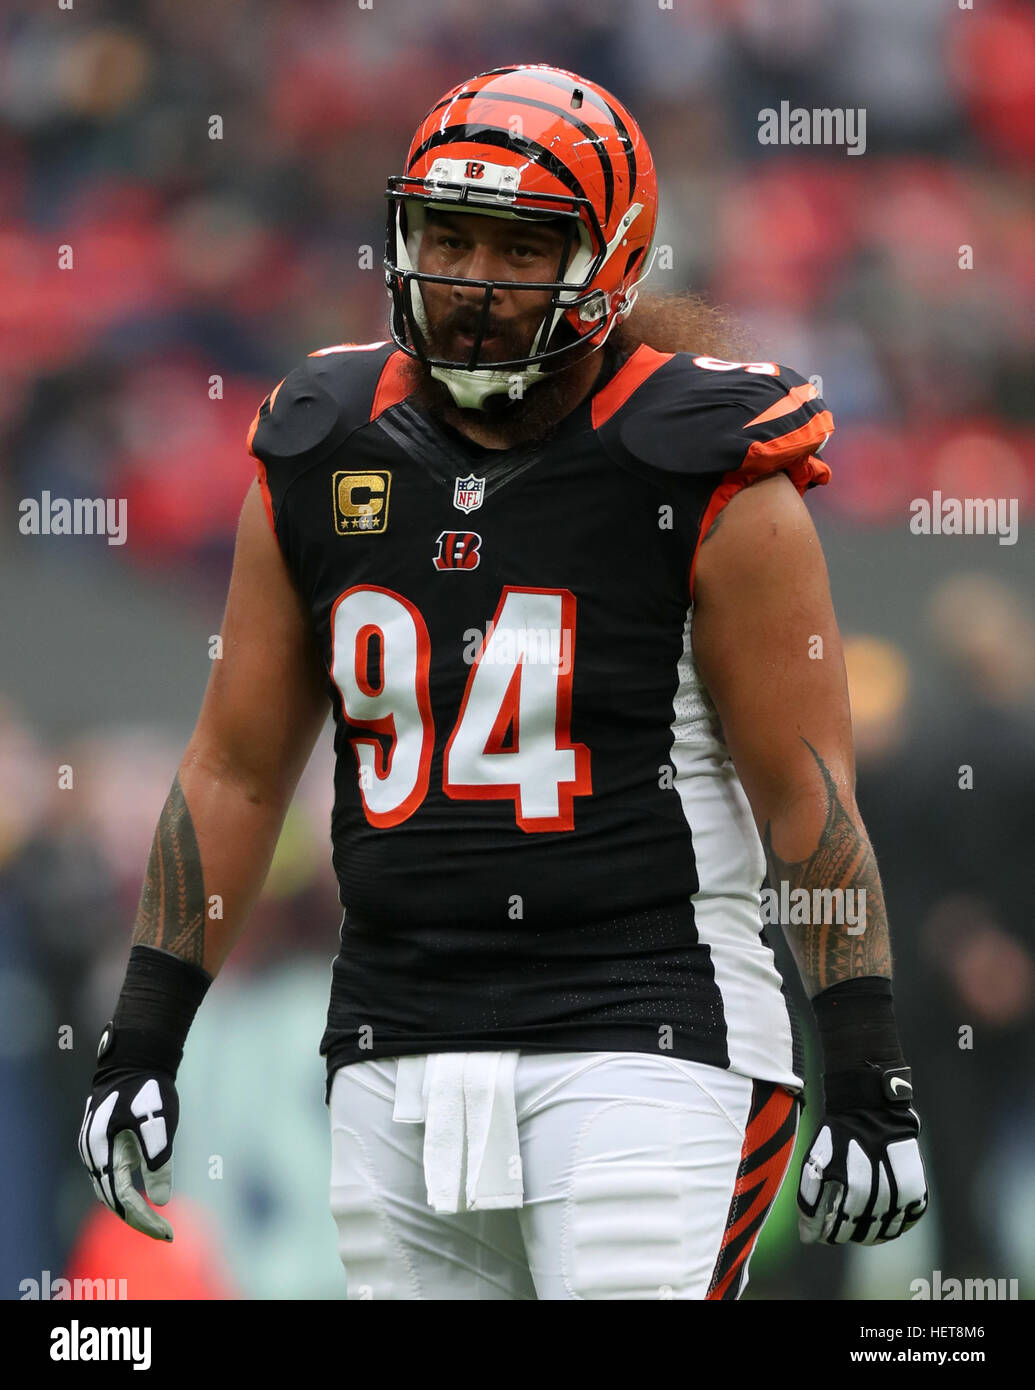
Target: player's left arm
[767, 647]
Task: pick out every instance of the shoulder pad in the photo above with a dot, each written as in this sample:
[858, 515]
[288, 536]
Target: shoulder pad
[316, 405]
[312, 412]
[699, 415]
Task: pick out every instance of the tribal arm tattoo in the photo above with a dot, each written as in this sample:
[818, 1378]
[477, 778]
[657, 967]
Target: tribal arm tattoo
[171, 915]
[825, 951]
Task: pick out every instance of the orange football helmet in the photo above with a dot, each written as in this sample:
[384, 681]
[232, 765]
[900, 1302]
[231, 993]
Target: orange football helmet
[528, 142]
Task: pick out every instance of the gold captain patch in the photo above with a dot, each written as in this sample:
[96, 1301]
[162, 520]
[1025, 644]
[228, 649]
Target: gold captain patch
[361, 503]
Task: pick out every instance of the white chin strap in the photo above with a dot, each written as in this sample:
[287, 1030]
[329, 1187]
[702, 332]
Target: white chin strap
[470, 388]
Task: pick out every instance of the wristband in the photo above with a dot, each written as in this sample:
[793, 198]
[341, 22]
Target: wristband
[160, 996]
[856, 1022]
[874, 1088]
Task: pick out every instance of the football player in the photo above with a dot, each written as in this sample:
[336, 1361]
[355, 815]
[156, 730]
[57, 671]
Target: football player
[562, 593]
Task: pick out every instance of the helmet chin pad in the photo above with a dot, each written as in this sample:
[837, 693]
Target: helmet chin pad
[471, 387]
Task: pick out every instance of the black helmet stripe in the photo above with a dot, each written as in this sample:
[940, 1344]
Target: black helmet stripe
[600, 149]
[556, 79]
[502, 139]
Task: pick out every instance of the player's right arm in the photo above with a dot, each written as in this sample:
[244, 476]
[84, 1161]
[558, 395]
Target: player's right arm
[262, 713]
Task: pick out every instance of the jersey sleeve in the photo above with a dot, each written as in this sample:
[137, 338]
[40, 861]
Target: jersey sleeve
[785, 434]
[725, 425]
[748, 419]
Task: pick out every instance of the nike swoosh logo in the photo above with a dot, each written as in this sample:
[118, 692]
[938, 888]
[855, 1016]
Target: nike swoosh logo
[897, 1081]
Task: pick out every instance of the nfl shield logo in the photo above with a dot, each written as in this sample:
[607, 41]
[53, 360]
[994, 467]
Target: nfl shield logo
[467, 495]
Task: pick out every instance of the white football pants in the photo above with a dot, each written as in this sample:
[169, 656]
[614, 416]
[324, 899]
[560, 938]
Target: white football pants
[643, 1177]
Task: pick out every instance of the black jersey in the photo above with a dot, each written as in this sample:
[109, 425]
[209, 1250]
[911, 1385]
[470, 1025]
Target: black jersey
[539, 838]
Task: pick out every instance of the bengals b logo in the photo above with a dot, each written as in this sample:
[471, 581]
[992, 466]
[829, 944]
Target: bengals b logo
[458, 550]
[473, 169]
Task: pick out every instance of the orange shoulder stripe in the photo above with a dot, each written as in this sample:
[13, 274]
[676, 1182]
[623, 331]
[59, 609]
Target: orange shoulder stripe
[642, 364]
[763, 455]
[393, 385]
[794, 399]
[350, 347]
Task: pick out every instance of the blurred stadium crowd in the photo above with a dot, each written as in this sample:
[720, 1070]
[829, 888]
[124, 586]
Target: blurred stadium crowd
[198, 258]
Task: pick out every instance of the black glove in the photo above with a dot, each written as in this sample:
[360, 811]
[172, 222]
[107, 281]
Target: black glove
[127, 1133]
[130, 1122]
[863, 1179]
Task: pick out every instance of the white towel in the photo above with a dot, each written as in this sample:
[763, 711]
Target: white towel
[472, 1157]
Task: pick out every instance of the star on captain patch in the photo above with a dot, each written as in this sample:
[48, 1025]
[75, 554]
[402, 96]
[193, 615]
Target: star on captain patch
[468, 493]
